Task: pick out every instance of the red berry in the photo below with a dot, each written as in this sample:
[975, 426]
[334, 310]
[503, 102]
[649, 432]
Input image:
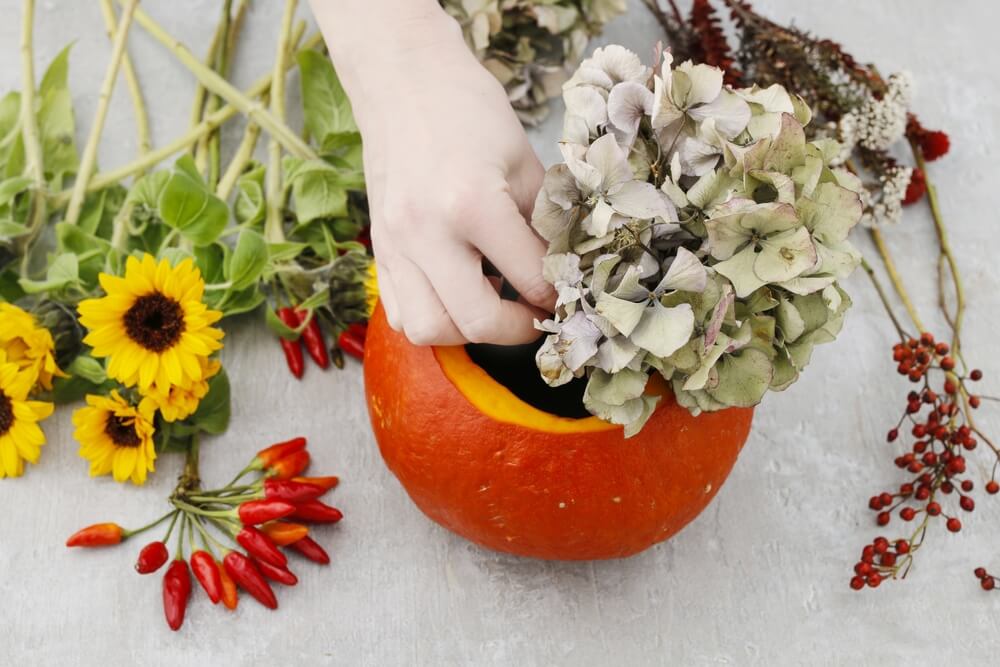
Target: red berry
[934, 144]
[933, 508]
[893, 434]
[954, 525]
[923, 493]
[948, 363]
[857, 583]
[988, 583]
[976, 375]
[949, 387]
[863, 569]
[967, 485]
[902, 547]
[874, 503]
[874, 579]
[883, 518]
[927, 338]
[880, 545]
[974, 401]
[941, 348]
[967, 503]
[907, 513]
[992, 487]
[980, 572]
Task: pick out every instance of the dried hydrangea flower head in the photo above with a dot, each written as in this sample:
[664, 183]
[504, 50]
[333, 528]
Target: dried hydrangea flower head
[530, 46]
[693, 231]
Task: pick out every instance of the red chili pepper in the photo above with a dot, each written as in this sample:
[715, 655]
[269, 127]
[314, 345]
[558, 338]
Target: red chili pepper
[206, 571]
[291, 491]
[260, 546]
[230, 598]
[352, 340]
[312, 338]
[326, 483]
[292, 348]
[280, 574]
[316, 511]
[253, 512]
[274, 453]
[292, 465]
[309, 548]
[176, 591]
[98, 535]
[246, 574]
[283, 533]
[151, 558]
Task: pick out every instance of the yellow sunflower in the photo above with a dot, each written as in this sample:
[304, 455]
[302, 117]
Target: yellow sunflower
[180, 402]
[116, 437]
[20, 437]
[152, 324]
[28, 345]
[371, 288]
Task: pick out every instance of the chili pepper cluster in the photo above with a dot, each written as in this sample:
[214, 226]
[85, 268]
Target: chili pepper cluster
[351, 341]
[232, 538]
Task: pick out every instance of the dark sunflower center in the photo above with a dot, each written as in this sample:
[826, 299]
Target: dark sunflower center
[121, 430]
[6, 414]
[154, 321]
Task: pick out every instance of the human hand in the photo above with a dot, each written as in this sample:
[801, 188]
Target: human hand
[451, 180]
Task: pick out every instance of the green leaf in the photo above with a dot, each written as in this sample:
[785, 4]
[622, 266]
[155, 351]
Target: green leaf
[186, 205]
[244, 301]
[212, 415]
[10, 290]
[325, 105]
[63, 271]
[75, 387]
[99, 210]
[284, 251]
[56, 123]
[248, 260]
[12, 187]
[211, 261]
[10, 115]
[250, 207]
[279, 327]
[146, 191]
[186, 164]
[11, 230]
[91, 251]
[88, 368]
[174, 255]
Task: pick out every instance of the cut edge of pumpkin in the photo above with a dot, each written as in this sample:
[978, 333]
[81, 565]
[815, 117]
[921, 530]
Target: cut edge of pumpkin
[501, 404]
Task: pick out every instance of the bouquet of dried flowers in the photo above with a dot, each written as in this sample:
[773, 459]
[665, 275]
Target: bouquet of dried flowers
[530, 46]
[869, 115]
[693, 231]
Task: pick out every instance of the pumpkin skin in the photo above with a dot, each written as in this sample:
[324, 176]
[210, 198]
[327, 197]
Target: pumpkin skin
[505, 475]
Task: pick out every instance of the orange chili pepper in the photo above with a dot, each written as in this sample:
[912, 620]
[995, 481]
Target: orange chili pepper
[230, 598]
[326, 483]
[284, 533]
[290, 466]
[97, 535]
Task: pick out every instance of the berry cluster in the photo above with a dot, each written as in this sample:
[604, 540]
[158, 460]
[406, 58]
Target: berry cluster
[986, 580]
[942, 435]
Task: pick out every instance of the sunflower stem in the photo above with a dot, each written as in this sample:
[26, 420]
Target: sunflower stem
[208, 145]
[103, 180]
[131, 82]
[218, 85]
[29, 133]
[103, 102]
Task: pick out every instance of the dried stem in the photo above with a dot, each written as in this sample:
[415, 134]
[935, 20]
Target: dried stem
[894, 277]
[218, 85]
[883, 297]
[239, 162]
[103, 101]
[131, 82]
[156, 156]
[275, 202]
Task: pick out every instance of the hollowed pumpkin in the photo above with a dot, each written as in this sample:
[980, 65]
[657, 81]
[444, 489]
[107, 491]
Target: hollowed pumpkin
[483, 463]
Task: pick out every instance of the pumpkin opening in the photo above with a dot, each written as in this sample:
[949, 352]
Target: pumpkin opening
[513, 366]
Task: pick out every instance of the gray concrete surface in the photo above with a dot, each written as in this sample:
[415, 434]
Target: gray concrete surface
[759, 578]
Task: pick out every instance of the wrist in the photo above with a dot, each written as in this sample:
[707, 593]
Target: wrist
[370, 40]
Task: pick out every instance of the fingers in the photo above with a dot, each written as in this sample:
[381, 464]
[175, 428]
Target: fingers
[475, 308]
[514, 249]
[387, 295]
[423, 317]
[525, 183]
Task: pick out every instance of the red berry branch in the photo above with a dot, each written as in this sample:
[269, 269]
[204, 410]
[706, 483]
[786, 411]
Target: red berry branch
[232, 537]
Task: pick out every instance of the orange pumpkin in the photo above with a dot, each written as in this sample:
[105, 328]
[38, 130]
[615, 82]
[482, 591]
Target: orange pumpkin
[504, 474]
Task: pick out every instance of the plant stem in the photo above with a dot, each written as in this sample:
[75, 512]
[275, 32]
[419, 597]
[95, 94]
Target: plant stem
[218, 85]
[103, 101]
[102, 180]
[239, 162]
[946, 253]
[153, 524]
[215, 60]
[883, 297]
[894, 277]
[198, 103]
[131, 82]
[29, 133]
[273, 231]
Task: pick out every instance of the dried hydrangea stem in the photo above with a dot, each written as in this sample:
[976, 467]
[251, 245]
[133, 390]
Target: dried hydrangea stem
[103, 180]
[218, 85]
[131, 82]
[89, 158]
[29, 127]
[895, 278]
[883, 297]
[275, 205]
[955, 319]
